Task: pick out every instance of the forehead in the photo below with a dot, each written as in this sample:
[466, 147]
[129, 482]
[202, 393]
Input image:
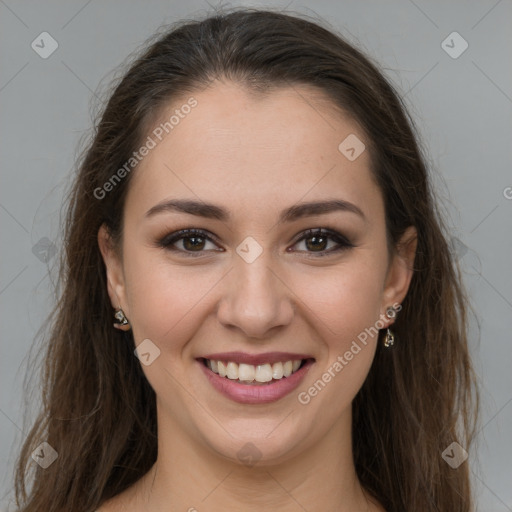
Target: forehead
[254, 152]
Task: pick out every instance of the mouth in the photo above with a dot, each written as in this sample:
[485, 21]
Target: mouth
[275, 375]
[254, 375]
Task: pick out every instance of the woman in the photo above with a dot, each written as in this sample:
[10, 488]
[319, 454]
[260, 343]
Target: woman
[260, 309]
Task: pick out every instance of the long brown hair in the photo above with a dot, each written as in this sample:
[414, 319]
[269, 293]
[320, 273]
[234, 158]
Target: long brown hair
[99, 411]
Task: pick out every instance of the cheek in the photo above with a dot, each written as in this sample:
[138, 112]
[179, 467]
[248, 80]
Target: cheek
[345, 303]
[346, 306]
[345, 299]
[165, 299]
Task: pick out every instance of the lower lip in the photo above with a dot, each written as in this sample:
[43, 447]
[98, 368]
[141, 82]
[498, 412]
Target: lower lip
[256, 394]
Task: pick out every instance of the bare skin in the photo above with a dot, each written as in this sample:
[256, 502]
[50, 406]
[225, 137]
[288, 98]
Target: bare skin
[254, 157]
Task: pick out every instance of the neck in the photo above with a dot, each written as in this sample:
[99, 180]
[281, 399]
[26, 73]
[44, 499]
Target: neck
[190, 477]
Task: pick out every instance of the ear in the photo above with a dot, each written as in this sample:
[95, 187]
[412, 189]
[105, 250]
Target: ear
[400, 271]
[115, 276]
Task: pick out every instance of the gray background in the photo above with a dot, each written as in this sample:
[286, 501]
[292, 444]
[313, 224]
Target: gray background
[462, 106]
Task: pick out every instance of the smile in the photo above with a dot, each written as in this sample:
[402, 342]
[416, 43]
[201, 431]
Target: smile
[260, 383]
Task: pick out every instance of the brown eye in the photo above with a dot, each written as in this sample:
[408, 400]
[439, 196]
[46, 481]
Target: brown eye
[317, 241]
[188, 241]
[192, 243]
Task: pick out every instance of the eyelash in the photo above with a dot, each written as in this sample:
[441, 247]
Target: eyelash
[343, 243]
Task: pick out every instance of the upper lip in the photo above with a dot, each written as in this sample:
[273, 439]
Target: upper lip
[256, 359]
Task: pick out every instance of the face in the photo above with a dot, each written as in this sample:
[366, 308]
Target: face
[262, 277]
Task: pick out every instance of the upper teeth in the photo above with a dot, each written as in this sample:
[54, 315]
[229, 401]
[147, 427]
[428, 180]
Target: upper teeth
[249, 372]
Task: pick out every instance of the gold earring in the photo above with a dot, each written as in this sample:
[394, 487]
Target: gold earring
[389, 338]
[122, 322]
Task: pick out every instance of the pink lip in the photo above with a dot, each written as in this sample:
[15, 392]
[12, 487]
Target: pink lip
[247, 394]
[255, 359]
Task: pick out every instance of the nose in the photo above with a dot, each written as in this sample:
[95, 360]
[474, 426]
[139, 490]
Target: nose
[257, 299]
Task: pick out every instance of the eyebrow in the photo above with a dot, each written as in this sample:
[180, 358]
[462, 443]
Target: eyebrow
[212, 211]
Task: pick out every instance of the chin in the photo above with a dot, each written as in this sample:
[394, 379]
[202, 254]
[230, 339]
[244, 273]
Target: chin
[248, 447]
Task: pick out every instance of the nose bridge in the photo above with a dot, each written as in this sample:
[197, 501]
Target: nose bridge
[256, 300]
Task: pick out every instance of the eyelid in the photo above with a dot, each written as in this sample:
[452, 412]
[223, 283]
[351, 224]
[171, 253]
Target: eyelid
[183, 233]
[343, 242]
[333, 234]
